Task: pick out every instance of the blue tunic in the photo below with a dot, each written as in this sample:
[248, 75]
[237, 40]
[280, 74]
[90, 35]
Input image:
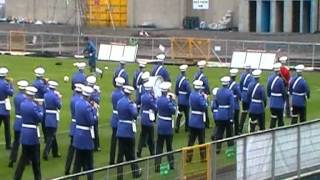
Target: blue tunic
[225, 104]
[299, 91]
[148, 102]
[198, 106]
[6, 90]
[160, 70]
[202, 77]
[276, 91]
[117, 94]
[18, 99]
[53, 105]
[74, 99]
[257, 97]
[166, 109]
[127, 113]
[182, 90]
[120, 72]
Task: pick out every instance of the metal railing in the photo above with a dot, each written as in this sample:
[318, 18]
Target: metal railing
[285, 152]
[71, 44]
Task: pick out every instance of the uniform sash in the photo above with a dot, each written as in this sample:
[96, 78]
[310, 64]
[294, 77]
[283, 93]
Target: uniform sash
[157, 71]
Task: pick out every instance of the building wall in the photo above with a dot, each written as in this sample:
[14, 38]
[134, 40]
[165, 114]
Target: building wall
[217, 9]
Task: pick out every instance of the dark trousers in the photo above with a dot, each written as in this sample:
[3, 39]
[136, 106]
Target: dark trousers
[92, 65]
[159, 150]
[126, 149]
[15, 147]
[207, 123]
[83, 161]
[6, 121]
[113, 146]
[29, 153]
[243, 117]
[96, 139]
[185, 110]
[298, 112]
[51, 142]
[221, 126]
[70, 157]
[257, 119]
[194, 134]
[146, 136]
[276, 115]
[236, 121]
[287, 105]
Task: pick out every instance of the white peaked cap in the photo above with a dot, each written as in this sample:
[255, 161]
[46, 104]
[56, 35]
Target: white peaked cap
[120, 81]
[148, 85]
[299, 68]
[277, 66]
[234, 72]
[214, 91]
[201, 64]
[283, 59]
[183, 67]
[165, 86]
[3, 71]
[198, 84]
[256, 73]
[53, 84]
[145, 76]
[78, 87]
[81, 65]
[128, 89]
[122, 61]
[161, 57]
[39, 71]
[91, 80]
[225, 80]
[30, 90]
[87, 90]
[22, 84]
[247, 66]
[142, 64]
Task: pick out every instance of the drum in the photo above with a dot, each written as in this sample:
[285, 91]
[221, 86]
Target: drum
[156, 81]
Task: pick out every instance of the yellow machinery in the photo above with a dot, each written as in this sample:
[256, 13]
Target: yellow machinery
[17, 41]
[107, 13]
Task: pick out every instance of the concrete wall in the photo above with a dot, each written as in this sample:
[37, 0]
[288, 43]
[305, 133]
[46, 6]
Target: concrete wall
[162, 13]
[54, 10]
[217, 9]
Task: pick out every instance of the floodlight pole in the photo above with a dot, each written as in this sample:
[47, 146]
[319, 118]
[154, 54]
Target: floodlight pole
[78, 21]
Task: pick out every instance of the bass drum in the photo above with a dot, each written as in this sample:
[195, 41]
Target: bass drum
[156, 81]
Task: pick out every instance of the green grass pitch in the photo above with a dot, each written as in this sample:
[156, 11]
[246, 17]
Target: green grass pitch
[22, 68]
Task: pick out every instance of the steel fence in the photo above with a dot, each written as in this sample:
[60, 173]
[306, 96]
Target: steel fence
[70, 44]
[280, 153]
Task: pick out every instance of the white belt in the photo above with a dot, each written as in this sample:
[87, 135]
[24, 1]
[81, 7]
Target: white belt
[146, 111]
[73, 120]
[215, 110]
[31, 126]
[224, 106]
[245, 89]
[165, 118]
[197, 112]
[183, 92]
[276, 94]
[256, 100]
[298, 94]
[126, 121]
[235, 96]
[86, 128]
[2, 102]
[51, 111]
[115, 112]
[18, 116]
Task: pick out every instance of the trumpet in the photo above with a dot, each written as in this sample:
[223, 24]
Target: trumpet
[58, 94]
[171, 96]
[39, 101]
[9, 80]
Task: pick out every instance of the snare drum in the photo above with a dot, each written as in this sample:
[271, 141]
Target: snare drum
[156, 81]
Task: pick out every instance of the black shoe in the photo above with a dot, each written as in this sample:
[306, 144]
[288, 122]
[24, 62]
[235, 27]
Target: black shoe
[8, 147]
[10, 164]
[97, 149]
[176, 130]
[57, 155]
[137, 173]
[138, 155]
[45, 157]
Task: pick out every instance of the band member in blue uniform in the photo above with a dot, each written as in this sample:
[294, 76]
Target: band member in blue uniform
[79, 77]
[300, 92]
[90, 50]
[74, 99]
[52, 101]
[18, 99]
[202, 77]
[148, 111]
[6, 90]
[84, 134]
[160, 70]
[257, 102]
[127, 113]
[225, 114]
[141, 90]
[137, 75]
[165, 123]
[245, 79]
[235, 88]
[120, 72]
[31, 112]
[115, 96]
[214, 110]
[182, 91]
[276, 91]
[198, 104]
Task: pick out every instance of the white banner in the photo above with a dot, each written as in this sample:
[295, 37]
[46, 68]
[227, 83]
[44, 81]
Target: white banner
[200, 4]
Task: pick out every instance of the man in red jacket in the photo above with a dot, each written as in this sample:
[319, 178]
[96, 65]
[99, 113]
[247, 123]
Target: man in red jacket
[285, 74]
